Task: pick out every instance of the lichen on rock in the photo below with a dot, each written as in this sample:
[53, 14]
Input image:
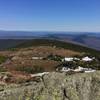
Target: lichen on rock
[57, 86]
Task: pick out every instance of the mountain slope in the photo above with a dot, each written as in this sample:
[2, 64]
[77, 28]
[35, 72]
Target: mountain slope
[91, 40]
[61, 44]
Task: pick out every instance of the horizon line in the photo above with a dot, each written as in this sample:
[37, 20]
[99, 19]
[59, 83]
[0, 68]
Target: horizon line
[49, 31]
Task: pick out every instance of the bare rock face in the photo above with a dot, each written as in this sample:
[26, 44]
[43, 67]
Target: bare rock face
[56, 86]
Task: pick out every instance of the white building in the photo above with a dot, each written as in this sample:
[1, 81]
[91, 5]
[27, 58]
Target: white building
[86, 70]
[80, 69]
[89, 71]
[65, 69]
[68, 59]
[87, 59]
[76, 58]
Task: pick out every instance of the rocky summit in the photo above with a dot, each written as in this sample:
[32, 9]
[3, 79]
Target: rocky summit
[55, 86]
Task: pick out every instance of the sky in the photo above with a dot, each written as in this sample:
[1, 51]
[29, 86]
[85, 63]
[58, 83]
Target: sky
[50, 15]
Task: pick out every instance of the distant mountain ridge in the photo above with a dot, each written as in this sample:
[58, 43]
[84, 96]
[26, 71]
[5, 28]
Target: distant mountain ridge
[89, 39]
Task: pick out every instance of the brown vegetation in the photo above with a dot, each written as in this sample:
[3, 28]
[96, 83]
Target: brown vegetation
[20, 63]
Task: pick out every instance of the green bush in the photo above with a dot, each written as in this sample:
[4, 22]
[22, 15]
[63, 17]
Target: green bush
[2, 59]
[93, 64]
[2, 69]
[12, 49]
[54, 57]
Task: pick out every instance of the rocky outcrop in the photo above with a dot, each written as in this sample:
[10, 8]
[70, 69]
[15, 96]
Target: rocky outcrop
[56, 86]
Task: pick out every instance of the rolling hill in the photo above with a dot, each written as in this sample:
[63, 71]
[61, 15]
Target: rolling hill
[60, 44]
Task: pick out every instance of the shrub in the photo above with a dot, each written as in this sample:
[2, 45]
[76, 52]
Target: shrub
[2, 69]
[54, 57]
[2, 59]
[12, 49]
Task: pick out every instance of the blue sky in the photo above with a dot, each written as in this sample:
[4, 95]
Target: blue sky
[50, 15]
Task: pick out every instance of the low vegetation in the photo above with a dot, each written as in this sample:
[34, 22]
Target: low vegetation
[54, 57]
[30, 70]
[94, 64]
[2, 69]
[60, 44]
[2, 59]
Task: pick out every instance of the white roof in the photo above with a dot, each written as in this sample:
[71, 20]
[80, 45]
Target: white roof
[87, 59]
[64, 69]
[86, 70]
[76, 59]
[90, 71]
[68, 59]
[81, 69]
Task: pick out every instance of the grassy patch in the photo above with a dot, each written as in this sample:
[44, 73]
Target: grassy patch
[2, 69]
[60, 44]
[54, 57]
[2, 59]
[30, 70]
